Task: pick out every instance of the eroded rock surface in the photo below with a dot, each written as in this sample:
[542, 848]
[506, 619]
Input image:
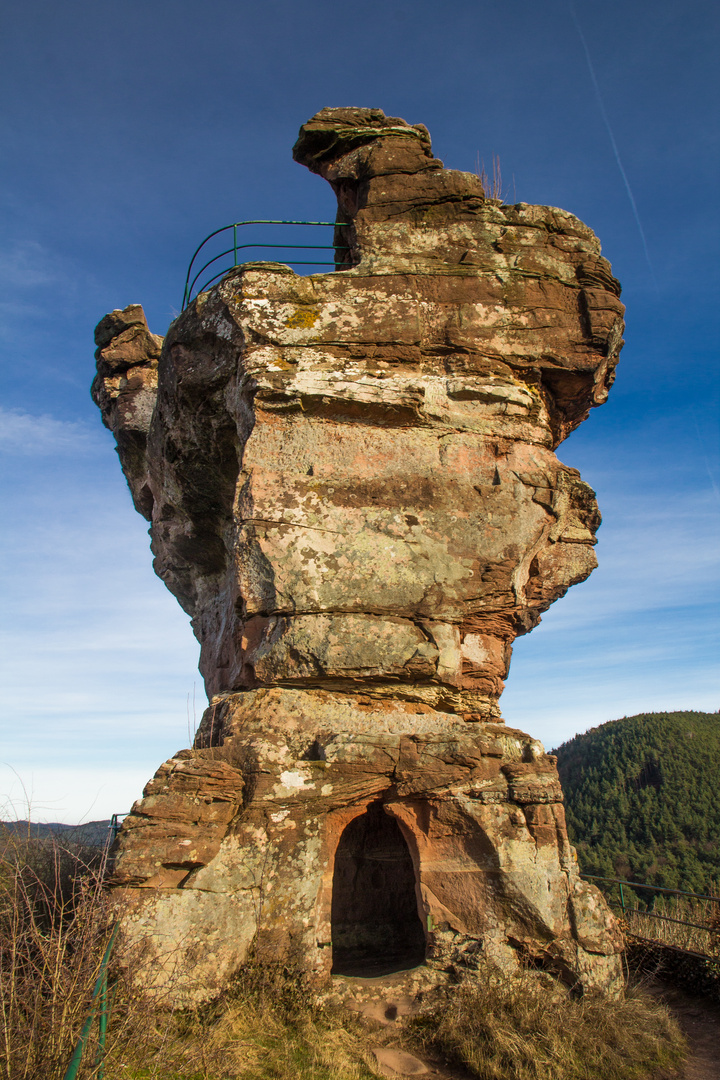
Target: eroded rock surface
[354, 493]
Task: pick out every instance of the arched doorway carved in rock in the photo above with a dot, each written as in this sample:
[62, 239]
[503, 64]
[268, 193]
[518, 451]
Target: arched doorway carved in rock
[375, 924]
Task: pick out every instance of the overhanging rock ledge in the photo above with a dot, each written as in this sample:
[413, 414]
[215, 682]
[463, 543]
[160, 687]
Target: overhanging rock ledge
[354, 493]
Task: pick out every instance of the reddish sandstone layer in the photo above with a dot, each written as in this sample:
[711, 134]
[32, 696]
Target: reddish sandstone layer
[247, 843]
[354, 493]
[350, 476]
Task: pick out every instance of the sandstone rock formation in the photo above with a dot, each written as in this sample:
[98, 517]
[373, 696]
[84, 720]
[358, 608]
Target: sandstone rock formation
[353, 492]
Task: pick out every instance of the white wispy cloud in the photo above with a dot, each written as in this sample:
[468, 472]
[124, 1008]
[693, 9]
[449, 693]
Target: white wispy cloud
[38, 436]
[39, 289]
[28, 264]
[69, 795]
[98, 658]
[651, 556]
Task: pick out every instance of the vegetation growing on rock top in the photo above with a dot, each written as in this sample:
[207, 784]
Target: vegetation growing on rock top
[641, 799]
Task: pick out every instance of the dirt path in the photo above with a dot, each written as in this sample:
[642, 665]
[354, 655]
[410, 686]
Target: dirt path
[699, 1019]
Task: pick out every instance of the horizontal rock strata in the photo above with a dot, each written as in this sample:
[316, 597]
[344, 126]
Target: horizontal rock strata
[479, 807]
[353, 492]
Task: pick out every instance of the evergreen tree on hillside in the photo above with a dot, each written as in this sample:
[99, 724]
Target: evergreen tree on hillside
[642, 800]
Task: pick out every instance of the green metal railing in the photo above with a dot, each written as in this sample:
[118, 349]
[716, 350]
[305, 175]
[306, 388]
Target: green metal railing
[192, 277]
[115, 826]
[100, 1008]
[628, 904]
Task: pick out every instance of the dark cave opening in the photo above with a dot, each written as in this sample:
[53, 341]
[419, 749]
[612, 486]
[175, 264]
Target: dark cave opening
[376, 928]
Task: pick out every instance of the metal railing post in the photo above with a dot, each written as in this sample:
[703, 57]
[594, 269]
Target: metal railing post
[99, 994]
[72, 1069]
[622, 900]
[102, 1029]
[115, 826]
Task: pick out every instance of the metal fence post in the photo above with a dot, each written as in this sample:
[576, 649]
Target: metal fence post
[102, 1028]
[72, 1069]
[99, 992]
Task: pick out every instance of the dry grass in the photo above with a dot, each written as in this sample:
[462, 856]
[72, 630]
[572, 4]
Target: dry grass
[526, 1028]
[503, 1028]
[267, 1024]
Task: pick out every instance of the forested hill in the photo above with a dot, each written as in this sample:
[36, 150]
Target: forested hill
[89, 834]
[642, 798]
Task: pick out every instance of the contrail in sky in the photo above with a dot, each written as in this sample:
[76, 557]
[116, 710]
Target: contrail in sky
[606, 119]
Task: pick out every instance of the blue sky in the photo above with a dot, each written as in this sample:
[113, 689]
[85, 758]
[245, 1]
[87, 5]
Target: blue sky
[131, 130]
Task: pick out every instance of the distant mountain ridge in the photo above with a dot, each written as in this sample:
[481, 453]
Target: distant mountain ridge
[90, 833]
[641, 799]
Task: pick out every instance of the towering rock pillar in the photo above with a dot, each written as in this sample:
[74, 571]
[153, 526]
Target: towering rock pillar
[354, 493]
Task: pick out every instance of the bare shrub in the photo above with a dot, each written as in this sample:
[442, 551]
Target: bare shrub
[491, 185]
[55, 922]
[54, 925]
